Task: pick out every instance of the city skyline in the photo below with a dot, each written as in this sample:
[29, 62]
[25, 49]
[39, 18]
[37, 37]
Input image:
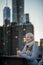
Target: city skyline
[35, 10]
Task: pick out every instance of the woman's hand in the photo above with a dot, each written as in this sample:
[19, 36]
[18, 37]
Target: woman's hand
[18, 53]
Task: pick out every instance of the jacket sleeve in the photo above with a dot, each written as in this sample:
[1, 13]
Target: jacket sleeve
[24, 49]
[34, 53]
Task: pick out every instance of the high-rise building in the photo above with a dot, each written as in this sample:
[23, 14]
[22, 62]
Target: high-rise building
[41, 42]
[6, 30]
[17, 11]
[7, 39]
[14, 33]
[26, 18]
[1, 40]
[6, 15]
[41, 47]
[18, 32]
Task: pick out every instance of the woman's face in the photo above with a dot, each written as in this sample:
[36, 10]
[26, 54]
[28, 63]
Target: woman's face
[28, 39]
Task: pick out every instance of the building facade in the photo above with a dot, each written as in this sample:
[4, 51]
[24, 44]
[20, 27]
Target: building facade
[14, 33]
[17, 11]
[1, 40]
[41, 42]
[18, 32]
[41, 46]
[6, 31]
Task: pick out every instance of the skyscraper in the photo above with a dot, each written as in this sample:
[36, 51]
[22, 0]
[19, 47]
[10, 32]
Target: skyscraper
[26, 18]
[6, 15]
[14, 34]
[6, 30]
[17, 11]
[18, 32]
[1, 40]
[41, 42]
[41, 46]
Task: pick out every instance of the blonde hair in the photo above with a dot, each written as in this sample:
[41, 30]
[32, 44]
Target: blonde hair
[30, 35]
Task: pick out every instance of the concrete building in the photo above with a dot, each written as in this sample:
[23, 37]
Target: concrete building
[17, 11]
[7, 40]
[6, 30]
[41, 42]
[26, 18]
[14, 33]
[41, 46]
[1, 40]
[18, 32]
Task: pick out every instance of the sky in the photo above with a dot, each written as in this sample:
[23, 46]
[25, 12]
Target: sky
[35, 10]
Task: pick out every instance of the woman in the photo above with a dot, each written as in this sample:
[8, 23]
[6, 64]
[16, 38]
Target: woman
[34, 49]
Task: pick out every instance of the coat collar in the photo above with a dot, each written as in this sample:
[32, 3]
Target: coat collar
[30, 43]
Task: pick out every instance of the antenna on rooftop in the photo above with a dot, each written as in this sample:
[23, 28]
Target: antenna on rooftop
[6, 3]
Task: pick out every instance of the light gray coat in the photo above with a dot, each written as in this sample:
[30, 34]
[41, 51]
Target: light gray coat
[34, 54]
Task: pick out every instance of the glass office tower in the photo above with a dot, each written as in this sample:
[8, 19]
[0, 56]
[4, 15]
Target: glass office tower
[6, 15]
[17, 11]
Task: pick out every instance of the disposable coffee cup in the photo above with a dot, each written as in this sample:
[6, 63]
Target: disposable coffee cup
[18, 52]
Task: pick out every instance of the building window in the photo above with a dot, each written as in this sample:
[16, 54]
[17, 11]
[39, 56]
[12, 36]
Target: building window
[20, 6]
[21, 16]
[16, 29]
[8, 25]
[8, 32]
[16, 37]
[42, 44]
[24, 29]
[24, 39]
[4, 43]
